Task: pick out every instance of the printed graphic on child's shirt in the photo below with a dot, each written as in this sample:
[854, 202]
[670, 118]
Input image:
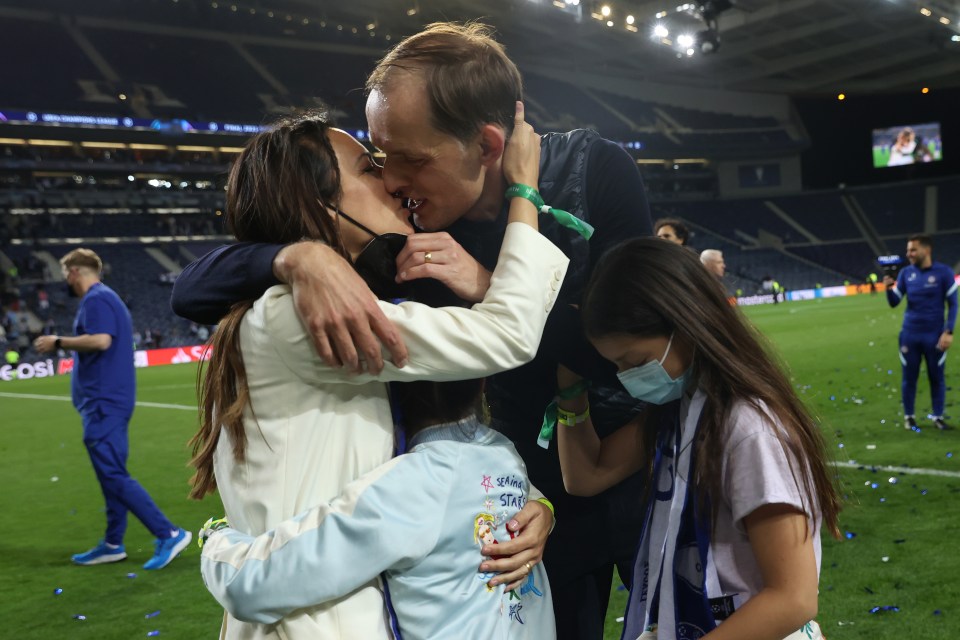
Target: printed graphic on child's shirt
[503, 496]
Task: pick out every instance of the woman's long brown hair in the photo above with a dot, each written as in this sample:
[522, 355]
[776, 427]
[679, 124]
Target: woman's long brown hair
[279, 191]
[649, 287]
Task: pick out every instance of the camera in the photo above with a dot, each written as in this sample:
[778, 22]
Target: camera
[891, 265]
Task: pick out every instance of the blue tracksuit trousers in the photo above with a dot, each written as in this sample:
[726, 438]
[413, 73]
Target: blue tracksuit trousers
[913, 348]
[105, 437]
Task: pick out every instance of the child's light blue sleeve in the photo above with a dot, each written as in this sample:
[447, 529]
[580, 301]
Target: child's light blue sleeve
[389, 518]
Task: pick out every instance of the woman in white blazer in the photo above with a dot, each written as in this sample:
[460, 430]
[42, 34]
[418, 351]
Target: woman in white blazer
[283, 432]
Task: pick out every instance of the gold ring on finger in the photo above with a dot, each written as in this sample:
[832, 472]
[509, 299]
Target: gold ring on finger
[428, 257]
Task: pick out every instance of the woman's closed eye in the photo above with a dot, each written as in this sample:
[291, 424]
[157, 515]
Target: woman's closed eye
[373, 168]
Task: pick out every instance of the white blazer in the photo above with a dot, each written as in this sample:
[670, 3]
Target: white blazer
[312, 429]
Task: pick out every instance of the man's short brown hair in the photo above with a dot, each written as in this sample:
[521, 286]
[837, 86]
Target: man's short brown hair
[922, 239]
[470, 80]
[83, 258]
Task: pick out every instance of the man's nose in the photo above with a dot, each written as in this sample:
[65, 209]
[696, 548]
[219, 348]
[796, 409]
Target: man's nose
[393, 180]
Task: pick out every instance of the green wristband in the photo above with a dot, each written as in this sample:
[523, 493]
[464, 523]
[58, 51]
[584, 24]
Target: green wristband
[209, 527]
[550, 416]
[563, 218]
[527, 192]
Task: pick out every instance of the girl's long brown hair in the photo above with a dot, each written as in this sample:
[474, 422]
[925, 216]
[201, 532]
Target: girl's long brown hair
[649, 287]
[279, 191]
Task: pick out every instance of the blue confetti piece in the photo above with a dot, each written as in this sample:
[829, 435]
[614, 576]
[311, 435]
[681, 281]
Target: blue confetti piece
[949, 454]
[873, 485]
[622, 588]
[937, 612]
[155, 632]
[131, 575]
[833, 397]
[840, 446]
[923, 492]
[79, 617]
[886, 607]
[883, 499]
[57, 591]
[850, 535]
[893, 480]
[152, 615]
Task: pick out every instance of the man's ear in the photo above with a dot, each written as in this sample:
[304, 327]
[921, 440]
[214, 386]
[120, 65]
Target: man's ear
[493, 141]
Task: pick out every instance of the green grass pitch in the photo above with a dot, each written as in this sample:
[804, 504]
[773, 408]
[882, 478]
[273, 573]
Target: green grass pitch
[842, 355]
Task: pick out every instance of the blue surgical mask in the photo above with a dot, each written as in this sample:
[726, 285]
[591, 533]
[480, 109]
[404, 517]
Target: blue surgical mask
[651, 383]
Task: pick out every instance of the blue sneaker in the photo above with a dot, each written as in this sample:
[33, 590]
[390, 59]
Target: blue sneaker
[100, 554]
[166, 549]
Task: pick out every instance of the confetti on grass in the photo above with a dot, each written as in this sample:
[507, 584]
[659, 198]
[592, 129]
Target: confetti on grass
[886, 607]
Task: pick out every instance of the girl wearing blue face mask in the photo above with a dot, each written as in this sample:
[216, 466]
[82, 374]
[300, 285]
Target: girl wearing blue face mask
[738, 481]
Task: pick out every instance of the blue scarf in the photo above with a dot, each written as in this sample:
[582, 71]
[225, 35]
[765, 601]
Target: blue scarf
[684, 539]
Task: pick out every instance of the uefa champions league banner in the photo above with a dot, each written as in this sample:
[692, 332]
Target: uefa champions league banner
[143, 358]
[177, 125]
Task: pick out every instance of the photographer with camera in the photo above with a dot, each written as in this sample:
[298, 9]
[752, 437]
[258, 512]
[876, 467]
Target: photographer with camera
[928, 285]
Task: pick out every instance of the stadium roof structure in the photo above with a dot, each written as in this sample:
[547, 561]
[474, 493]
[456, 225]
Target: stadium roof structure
[783, 47]
[638, 71]
[792, 47]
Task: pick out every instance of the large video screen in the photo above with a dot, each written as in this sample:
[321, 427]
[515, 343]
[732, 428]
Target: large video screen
[907, 144]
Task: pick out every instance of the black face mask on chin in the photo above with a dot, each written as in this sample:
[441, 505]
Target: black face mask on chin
[377, 265]
[377, 261]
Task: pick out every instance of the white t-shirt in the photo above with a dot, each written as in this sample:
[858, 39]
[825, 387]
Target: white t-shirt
[755, 472]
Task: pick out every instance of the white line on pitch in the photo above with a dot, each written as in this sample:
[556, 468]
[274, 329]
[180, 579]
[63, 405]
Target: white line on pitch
[153, 405]
[845, 465]
[907, 470]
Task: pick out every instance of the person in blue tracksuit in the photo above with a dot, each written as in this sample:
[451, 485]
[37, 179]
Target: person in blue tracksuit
[103, 387]
[928, 286]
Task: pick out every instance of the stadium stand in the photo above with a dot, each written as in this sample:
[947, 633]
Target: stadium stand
[756, 240]
[59, 89]
[894, 210]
